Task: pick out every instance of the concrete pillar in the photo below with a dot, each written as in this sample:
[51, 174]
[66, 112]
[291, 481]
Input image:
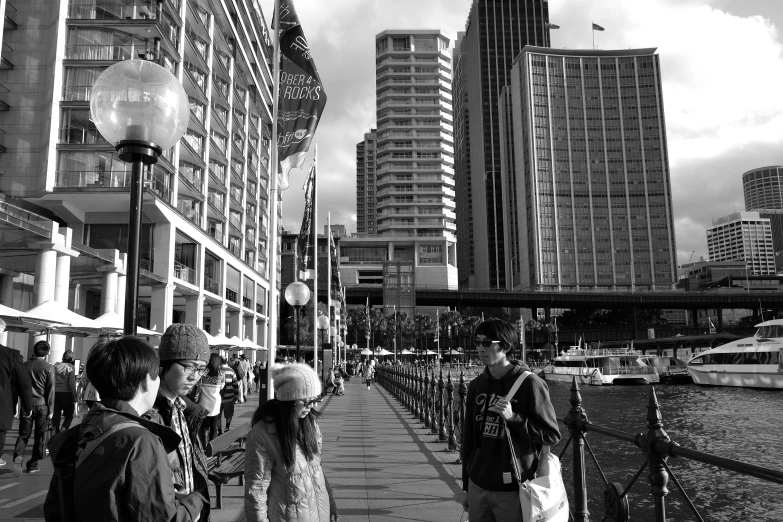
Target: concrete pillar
[119, 306]
[194, 310]
[235, 325]
[161, 306]
[217, 317]
[109, 289]
[81, 345]
[6, 298]
[44, 284]
[62, 283]
[250, 333]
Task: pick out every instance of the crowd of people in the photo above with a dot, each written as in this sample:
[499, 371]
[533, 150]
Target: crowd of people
[139, 452]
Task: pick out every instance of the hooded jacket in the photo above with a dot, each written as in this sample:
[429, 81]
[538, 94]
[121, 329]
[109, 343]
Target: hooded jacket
[127, 477]
[276, 493]
[485, 453]
[194, 415]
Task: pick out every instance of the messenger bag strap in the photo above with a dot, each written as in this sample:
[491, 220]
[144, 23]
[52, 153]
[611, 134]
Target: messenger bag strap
[93, 444]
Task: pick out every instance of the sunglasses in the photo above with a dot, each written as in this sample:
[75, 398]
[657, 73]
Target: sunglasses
[310, 402]
[486, 343]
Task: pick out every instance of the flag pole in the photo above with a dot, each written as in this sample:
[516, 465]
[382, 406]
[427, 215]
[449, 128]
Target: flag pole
[274, 295]
[593, 31]
[329, 277]
[315, 260]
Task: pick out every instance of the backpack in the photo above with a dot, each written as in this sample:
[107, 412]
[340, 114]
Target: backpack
[65, 467]
[237, 367]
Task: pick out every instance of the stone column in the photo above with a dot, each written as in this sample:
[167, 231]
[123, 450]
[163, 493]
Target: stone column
[44, 284]
[194, 310]
[81, 345]
[119, 306]
[235, 325]
[62, 283]
[109, 288]
[6, 298]
[250, 332]
[218, 319]
[161, 307]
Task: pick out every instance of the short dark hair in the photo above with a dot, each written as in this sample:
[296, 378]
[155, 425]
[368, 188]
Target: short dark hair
[116, 368]
[41, 349]
[499, 330]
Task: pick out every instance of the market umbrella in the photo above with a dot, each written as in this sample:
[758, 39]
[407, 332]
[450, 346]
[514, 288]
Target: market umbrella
[8, 312]
[455, 352]
[429, 352]
[384, 351]
[55, 316]
[219, 339]
[366, 351]
[247, 343]
[405, 351]
[111, 322]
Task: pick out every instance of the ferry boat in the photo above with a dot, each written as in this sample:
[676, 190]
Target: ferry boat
[752, 362]
[671, 370]
[601, 366]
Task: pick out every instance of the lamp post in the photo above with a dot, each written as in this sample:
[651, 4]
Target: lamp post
[297, 294]
[323, 326]
[141, 109]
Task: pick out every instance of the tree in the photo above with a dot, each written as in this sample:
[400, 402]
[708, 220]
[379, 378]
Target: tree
[356, 320]
[468, 327]
[394, 325]
[423, 324]
[377, 321]
[449, 320]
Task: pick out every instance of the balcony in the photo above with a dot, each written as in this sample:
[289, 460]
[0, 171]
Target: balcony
[247, 302]
[210, 285]
[235, 223]
[81, 135]
[232, 295]
[191, 175]
[189, 210]
[107, 11]
[112, 53]
[215, 201]
[184, 273]
[259, 306]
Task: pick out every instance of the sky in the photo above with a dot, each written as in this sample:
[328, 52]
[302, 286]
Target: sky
[721, 64]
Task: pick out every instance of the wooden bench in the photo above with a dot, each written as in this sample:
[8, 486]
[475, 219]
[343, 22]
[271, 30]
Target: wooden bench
[226, 459]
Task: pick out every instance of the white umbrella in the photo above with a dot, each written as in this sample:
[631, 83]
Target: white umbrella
[56, 316]
[405, 351]
[384, 351]
[429, 352]
[112, 322]
[7, 311]
[219, 339]
[247, 343]
[366, 351]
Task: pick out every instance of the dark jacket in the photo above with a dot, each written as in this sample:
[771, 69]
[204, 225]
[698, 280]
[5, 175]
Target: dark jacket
[14, 382]
[485, 453]
[42, 379]
[194, 415]
[127, 477]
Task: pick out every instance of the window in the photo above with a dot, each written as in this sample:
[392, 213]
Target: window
[430, 255]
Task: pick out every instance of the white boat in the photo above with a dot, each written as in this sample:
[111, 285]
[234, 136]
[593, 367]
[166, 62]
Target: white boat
[669, 368]
[752, 362]
[601, 366]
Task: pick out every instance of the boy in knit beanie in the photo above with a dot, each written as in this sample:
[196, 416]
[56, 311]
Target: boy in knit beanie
[183, 354]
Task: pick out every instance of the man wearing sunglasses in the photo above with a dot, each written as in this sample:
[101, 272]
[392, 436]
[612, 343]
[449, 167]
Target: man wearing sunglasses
[491, 489]
[183, 354]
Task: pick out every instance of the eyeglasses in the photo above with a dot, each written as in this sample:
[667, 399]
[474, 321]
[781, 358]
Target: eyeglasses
[310, 402]
[486, 343]
[194, 369]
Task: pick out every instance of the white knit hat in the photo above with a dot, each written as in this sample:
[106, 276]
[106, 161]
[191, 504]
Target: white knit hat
[295, 381]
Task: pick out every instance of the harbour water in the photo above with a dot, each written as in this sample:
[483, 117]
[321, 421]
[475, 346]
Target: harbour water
[741, 424]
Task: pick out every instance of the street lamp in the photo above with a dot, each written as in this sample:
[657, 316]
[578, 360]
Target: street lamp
[323, 326]
[297, 294]
[141, 109]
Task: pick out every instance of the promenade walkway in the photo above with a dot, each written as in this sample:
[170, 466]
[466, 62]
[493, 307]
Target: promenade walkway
[382, 463]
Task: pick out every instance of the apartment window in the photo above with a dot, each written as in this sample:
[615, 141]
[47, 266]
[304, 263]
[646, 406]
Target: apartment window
[401, 44]
[430, 255]
[232, 284]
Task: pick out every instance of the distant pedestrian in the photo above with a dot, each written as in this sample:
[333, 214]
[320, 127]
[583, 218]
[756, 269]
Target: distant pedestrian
[369, 373]
[248, 369]
[42, 379]
[210, 398]
[228, 395]
[257, 376]
[491, 489]
[114, 465]
[283, 453]
[14, 384]
[240, 373]
[65, 398]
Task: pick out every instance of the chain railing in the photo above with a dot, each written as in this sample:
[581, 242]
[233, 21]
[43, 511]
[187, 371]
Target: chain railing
[431, 400]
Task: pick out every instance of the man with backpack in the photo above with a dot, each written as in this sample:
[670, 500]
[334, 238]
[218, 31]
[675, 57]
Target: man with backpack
[239, 371]
[115, 464]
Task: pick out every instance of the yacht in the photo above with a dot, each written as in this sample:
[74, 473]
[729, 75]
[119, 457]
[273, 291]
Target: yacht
[752, 362]
[671, 370]
[601, 366]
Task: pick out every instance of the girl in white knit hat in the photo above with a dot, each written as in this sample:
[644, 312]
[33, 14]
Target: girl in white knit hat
[284, 481]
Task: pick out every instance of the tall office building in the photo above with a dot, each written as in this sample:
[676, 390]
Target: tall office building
[495, 33]
[415, 152]
[365, 184]
[590, 174]
[205, 205]
[743, 236]
[763, 189]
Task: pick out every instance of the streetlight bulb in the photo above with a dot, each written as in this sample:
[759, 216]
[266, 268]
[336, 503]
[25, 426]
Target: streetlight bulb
[323, 322]
[297, 294]
[137, 100]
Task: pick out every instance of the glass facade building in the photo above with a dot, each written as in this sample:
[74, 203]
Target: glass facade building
[365, 184]
[495, 33]
[763, 188]
[590, 174]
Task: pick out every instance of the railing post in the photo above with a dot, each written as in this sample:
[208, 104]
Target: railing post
[450, 412]
[576, 421]
[462, 391]
[426, 397]
[649, 442]
[441, 410]
[434, 403]
[419, 404]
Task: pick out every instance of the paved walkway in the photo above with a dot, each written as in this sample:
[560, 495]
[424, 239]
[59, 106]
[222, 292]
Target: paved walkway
[382, 463]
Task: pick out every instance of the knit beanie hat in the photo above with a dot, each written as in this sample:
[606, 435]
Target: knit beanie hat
[183, 341]
[295, 381]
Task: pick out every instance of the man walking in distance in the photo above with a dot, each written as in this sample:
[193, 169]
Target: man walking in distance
[42, 378]
[64, 391]
[183, 353]
[491, 489]
[14, 382]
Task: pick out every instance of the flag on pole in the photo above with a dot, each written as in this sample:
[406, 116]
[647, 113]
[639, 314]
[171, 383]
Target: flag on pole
[367, 315]
[713, 330]
[304, 241]
[301, 98]
[597, 27]
[336, 283]
[553, 26]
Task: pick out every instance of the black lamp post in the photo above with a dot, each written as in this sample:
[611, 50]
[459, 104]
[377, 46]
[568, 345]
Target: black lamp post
[141, 109]
[297, 294]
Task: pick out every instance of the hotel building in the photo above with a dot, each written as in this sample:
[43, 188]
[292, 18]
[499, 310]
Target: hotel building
[744, 236]
[206, 203]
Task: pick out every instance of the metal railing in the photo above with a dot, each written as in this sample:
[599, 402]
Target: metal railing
[433, 402]
[210, 285]
[185, 273]
[107, 11]
[104, 52]
[191, 213]
[92, 178]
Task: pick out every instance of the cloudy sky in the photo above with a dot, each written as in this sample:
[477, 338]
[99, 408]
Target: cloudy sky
[722, 67]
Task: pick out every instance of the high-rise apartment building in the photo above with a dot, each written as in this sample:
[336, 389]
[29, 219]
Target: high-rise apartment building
[415, 150]
[743, 236]
[590, 174]
[365, 184]
[763, 188]
[205, 227]
[495, 33]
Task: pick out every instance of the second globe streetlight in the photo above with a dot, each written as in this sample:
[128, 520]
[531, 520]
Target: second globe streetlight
[297, 294]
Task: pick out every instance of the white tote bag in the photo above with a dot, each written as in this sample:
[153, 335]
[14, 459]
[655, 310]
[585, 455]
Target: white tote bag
[544, 498]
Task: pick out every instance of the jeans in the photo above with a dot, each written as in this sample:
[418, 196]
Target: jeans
[40, 422]
[209, 428]
[2, 442]
[493, 506]
[63, 404]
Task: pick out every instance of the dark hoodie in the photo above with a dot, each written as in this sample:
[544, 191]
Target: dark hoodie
[485, 453]
[127, 477]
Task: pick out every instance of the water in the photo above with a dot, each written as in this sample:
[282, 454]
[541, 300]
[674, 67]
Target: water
[737, 423]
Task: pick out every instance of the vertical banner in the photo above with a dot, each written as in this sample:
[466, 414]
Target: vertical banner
[304, 241]
[301, 95]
